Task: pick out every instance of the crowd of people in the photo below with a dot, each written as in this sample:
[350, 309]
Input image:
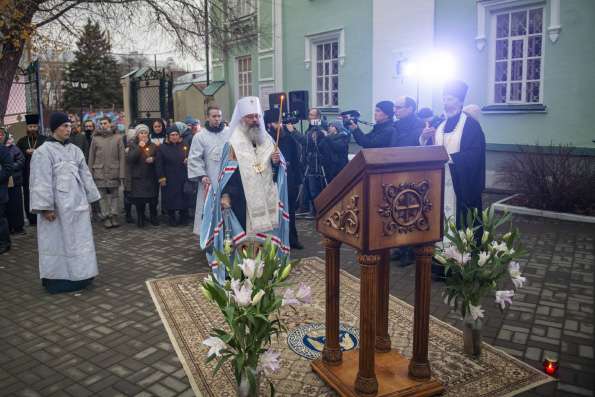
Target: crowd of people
[250, 179]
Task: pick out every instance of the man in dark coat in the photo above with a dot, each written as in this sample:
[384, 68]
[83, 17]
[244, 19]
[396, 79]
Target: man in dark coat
[15, 214]
[6, 166]
[290, 151]
[334, 148]
[28, 144]
[383, 131]
[408, 127]
[172, 158]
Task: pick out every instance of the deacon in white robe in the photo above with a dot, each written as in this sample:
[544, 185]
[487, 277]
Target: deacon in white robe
[204, 159]
[61, 189]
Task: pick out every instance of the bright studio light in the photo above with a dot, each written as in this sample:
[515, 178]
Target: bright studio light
[435, 68]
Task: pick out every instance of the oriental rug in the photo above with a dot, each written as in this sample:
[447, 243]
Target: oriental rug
[188, 317]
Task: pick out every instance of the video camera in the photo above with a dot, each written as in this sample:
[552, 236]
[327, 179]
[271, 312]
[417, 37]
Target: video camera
[352, 117]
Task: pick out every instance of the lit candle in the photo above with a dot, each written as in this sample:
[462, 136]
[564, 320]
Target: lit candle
[550, 366]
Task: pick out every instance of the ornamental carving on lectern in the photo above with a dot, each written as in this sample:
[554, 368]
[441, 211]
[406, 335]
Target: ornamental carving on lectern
[346, 220]
[405, 207]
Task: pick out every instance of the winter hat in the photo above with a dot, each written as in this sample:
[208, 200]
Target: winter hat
[171, 129]
[387, 108]
[57, 119]
[456, 88]
[189, 120]
[141, 127]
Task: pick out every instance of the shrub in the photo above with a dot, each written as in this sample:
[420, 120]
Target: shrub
[552, 178]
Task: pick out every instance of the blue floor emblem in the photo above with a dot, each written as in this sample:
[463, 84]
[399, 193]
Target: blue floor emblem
[308, 340]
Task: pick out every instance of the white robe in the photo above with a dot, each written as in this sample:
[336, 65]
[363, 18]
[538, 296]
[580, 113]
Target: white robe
[60, 181]
[204, 159]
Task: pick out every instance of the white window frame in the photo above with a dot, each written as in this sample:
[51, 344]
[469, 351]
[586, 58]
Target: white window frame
[245, 88]
[492, 58]
[310, 43]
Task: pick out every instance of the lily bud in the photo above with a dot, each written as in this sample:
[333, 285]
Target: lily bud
[484, 237]
[507, 236]
[285, 272]
[206, 293]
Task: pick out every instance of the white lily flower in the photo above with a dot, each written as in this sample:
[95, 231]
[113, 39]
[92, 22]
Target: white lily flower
[483, 258]
[462, 235]
[507, 236]
[499, 247]
[453, 253]
[242, 295]
[269, 362]
[504, 297]
[511, 252]
[519, 281]
[258, 297]
[215, 344]
[251, 268]
[289, 298]
[475, 311]
[304, 293]
[514, 269]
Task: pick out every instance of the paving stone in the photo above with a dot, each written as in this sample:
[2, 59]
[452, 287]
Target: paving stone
[111, 336]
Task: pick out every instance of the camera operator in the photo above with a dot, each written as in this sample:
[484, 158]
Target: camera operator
[334, 148]
[382, 132]
[315, 177]
[290, 150]
[408, 127]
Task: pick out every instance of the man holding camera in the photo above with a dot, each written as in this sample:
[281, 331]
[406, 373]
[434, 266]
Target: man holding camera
[383, 131]
[290, 151]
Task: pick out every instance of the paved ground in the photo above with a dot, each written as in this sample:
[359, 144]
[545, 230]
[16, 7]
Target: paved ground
[109, 341]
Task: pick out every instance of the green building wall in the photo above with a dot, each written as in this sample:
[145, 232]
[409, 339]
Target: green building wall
[569, 76]
[306, 17]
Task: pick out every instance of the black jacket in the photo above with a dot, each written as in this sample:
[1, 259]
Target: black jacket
[6, 166]
[380, 136]
[170, 165]
[18, 159]
[334, 149]
[312, 157]
[407, 132]
[143, 176]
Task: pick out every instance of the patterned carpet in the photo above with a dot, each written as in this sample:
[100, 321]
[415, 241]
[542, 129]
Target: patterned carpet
[188, 319]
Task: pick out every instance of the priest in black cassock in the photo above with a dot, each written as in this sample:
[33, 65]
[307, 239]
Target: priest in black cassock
[463, 139]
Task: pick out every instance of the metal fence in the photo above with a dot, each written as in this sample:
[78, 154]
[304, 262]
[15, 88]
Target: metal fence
[24, 96]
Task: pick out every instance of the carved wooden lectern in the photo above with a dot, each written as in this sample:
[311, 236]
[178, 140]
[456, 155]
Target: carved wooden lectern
[382, 199]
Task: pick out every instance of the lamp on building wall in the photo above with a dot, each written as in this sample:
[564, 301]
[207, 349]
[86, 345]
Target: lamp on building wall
[83, 85]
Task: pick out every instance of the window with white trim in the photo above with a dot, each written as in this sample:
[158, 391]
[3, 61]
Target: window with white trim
[244, 76]
[517, 66]
[326, 73]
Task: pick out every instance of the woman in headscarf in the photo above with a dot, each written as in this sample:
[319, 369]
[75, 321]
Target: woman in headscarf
[143, 176]
[172, 172]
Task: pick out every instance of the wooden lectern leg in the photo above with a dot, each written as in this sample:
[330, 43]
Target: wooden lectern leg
[331, 353]
[366, 382]
[383, 283]
[419, 366]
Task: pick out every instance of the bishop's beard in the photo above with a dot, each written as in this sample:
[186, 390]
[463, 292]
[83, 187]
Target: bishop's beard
[253, 133]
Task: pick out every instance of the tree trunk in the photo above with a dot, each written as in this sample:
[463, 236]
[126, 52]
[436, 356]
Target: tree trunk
[9, 61]
[11, 55]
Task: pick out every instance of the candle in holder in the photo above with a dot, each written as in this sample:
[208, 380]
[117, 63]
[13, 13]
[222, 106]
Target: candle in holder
[185, 151]
[550, 366]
